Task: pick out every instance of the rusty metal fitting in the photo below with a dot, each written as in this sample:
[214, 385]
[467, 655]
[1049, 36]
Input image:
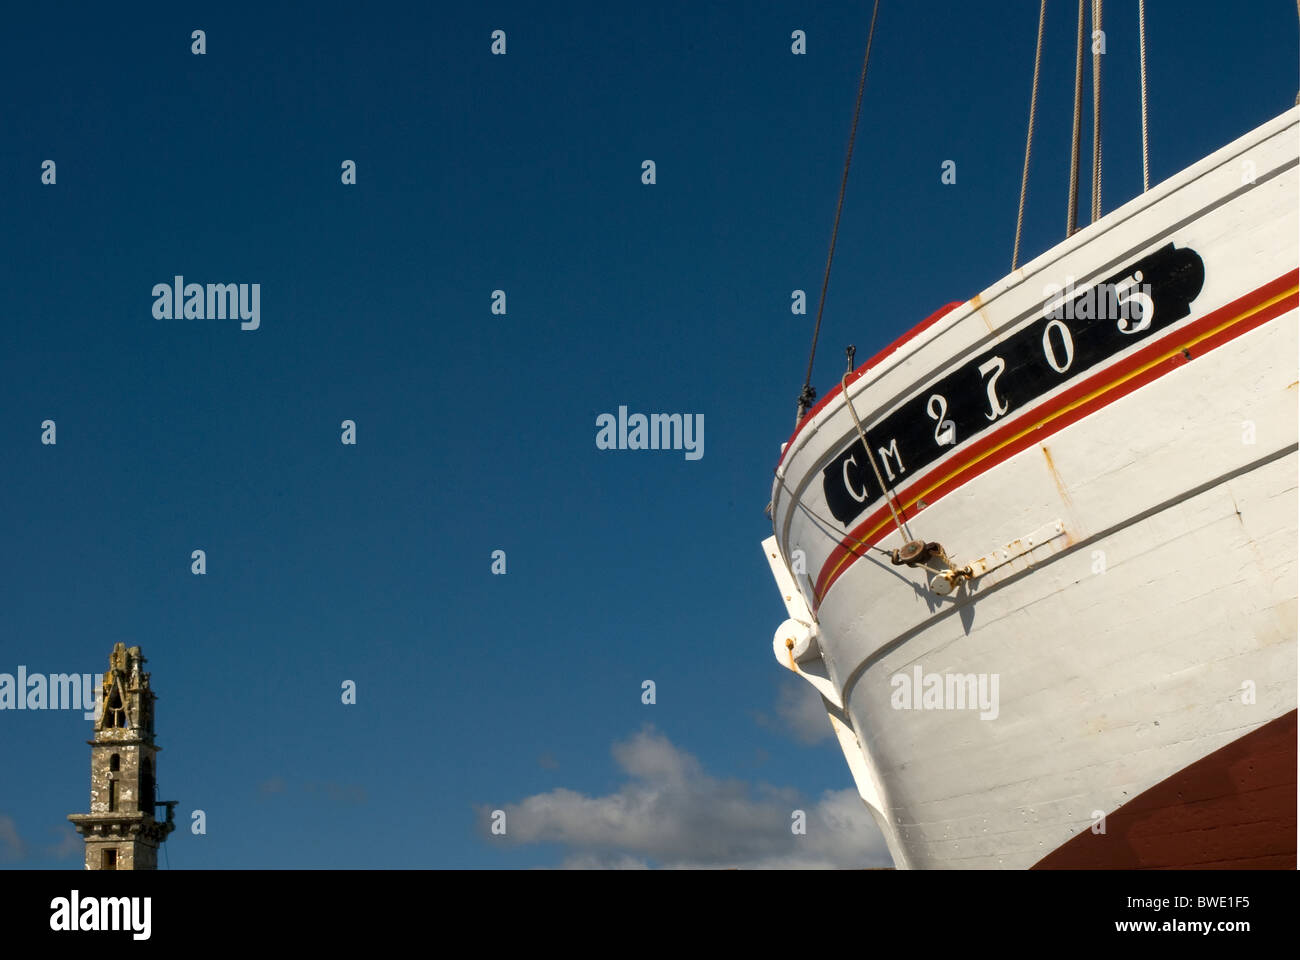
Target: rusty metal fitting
[916, 553]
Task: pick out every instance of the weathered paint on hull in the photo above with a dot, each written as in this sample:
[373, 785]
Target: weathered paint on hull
[1159, 627]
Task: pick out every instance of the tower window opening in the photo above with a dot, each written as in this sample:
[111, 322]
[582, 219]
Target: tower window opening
[115, 762]
[115, 710]
[109, 860]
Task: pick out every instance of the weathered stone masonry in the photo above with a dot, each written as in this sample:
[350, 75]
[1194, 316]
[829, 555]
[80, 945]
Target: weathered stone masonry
[120, 831]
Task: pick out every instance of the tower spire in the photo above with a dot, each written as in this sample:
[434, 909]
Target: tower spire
[121, 832]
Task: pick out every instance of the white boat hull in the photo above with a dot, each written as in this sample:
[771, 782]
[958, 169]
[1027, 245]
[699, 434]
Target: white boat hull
[1151, 623]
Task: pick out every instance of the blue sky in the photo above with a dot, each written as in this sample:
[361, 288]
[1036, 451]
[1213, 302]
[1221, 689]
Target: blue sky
[476, 432]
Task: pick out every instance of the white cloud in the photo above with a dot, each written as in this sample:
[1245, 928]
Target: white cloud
[799, 713]
[671, 813]
[802, 712]
[70, 844]
[11, 845]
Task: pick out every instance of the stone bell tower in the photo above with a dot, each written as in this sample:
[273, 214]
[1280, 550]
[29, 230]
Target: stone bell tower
[120, 830]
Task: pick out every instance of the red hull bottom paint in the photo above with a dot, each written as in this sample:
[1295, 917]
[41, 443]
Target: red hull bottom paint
[1232, 809]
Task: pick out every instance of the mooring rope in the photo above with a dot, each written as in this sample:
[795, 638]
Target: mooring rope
[1072, 208]
[889, 497]
[1029, 136]
[807, 394]
[1096, 112]
[1142, 60]
[823, 525]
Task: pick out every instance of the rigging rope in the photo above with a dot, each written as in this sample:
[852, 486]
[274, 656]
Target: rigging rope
[1029, 137]
[822, 524]
[1096, 112]
[807, 394]
[1142, 60]
[889, 497]
[1072, 209]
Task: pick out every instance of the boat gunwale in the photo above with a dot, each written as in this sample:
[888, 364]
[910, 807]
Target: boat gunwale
[895, 355]
[954, 313]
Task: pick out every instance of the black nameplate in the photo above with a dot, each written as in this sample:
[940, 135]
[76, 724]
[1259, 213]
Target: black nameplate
[1076, 332]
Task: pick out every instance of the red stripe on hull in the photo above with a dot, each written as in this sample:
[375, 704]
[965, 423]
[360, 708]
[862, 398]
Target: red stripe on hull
[877, 525]
[1232, 809]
